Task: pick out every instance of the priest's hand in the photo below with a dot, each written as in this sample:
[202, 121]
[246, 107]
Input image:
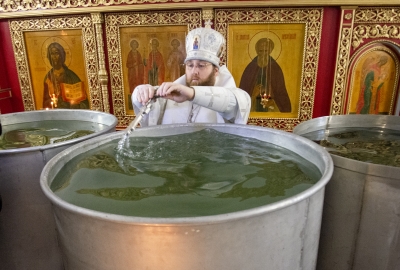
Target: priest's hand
[144, 93]
[176, 92]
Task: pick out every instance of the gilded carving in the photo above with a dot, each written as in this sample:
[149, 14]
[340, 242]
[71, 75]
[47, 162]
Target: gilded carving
[361, 32]
[377, 15]
[375, 23]
[341, 71]
[98, 20]
[208, 14]
[348, 16]
[342, 62]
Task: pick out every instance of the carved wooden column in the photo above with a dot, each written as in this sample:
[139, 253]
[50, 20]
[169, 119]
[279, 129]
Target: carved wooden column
[342, 59]
[98, 20]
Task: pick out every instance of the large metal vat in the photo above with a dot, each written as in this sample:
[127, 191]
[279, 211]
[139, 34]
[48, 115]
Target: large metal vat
[280, 236]
[28, 238]
[361, 217]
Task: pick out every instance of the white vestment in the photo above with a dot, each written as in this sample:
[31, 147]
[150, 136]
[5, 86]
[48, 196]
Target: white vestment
[221, 103]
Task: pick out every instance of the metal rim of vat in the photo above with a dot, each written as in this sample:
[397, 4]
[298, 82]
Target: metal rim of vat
[57, 114]
[357, 120]
[324, 159]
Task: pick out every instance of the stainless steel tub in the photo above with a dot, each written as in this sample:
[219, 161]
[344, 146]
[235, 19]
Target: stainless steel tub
[361, 218]
[280, 236]
[28, 238]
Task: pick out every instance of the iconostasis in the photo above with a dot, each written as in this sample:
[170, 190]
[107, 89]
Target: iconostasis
[320, 60]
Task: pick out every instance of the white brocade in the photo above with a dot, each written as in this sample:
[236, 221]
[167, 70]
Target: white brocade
[219, 104]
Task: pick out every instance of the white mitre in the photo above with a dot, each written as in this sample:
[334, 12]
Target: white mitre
[204, 44]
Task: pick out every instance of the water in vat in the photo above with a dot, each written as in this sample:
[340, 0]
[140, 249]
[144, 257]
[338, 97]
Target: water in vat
[39, 133]
[186, 175]
[372, 145]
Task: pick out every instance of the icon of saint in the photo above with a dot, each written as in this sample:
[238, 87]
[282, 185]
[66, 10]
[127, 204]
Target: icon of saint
[175, 61]
[155, 67]
[135, 66]
[264, 81]
[195, 43]
[374, 75]
[62, 87]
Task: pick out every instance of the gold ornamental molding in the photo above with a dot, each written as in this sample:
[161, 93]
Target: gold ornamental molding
[362, 32]
[375, 23]
[208, 14]
[31, 8]
[342, 59]
[98, 20]
[377, 15]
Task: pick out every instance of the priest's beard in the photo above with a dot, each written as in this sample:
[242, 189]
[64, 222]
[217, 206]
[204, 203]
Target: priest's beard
[209, 81]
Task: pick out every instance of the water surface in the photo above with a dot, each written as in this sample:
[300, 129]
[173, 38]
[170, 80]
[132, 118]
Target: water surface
[196, 174]
[372, 145]
[39, 133]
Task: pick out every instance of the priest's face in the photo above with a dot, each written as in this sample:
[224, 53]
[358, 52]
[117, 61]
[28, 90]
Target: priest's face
[200, 73]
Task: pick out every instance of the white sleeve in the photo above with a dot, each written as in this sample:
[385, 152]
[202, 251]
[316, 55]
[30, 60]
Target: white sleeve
[219, 99]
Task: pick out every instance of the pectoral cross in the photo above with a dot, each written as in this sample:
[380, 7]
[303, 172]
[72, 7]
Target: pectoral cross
[54, 100]
[264, 100]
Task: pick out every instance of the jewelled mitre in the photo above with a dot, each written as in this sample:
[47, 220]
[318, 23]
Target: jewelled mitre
[204, 44]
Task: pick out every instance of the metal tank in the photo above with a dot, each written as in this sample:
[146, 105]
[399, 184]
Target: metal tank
[28, 238]
[280, 236]
[361, 216]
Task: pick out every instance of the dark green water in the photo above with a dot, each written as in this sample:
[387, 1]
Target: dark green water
[187, 175]
[372, 145]
[41, 133]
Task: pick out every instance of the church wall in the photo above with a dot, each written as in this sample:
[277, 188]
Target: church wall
[326, 79]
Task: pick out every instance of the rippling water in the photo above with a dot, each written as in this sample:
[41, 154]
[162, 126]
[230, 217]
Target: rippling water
[196, 174]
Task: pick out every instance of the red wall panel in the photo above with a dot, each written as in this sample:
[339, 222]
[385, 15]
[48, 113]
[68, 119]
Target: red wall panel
[8, 72]
[327, 61]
